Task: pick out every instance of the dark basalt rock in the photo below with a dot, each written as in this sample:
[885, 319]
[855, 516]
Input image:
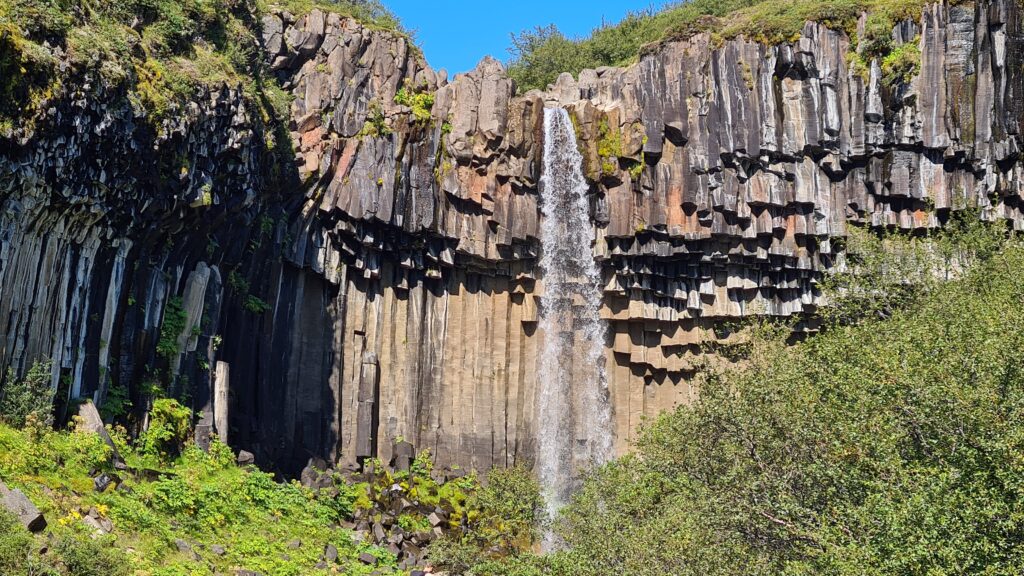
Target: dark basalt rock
[18, 504]
[383, 285]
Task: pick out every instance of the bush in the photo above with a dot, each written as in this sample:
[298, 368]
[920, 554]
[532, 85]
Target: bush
[83, 555]
[201, 497]
[511, 511]
[887, 447]
[170, 425]
[420, 103]
[40, 18]
[116, 403]
[15, 546]
[540, 55]
[885, 272]
[370, 12]
[901, 64]
[173, 325]
[159, 52]
[504, 519]
[29, 396]
[74, 553]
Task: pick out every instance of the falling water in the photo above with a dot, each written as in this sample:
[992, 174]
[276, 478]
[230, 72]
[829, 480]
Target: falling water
[573, 409]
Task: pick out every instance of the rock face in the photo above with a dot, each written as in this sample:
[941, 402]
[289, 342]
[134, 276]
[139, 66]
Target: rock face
[384, 285]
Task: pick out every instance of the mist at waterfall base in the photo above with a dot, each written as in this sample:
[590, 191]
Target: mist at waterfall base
[574, 413]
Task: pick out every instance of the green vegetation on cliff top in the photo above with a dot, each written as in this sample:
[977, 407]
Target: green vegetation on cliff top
[539, 55]
[159, 52]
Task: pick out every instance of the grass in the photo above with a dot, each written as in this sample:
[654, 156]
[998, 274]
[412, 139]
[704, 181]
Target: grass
[199, 497]
[372, 14]
[177, 510]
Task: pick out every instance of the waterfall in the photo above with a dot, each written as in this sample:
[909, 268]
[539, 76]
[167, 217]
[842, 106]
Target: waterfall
[574, 414]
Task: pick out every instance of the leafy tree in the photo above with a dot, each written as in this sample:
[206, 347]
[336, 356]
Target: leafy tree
[512, 510]
[540, 55]
[884, 448]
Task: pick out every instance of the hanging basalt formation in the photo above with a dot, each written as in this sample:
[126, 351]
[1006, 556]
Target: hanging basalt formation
[387, 283]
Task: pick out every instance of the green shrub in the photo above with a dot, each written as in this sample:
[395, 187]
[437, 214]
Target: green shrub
[370, 12]
[419, 102]
[83, 555]
[456, 555]
[876, 41]
[504, 519]
[887, 271]
[376, 124]
[609, 146]
[540, 55]
[39, 18]
[116, 403]
[891, 446]
[237, 283]
[31, 395]
[16, 546]
[160, 52]
[170, 425]
[173, 325]
[255, 304]
[901, 64]
[201, 497]
[511, 511]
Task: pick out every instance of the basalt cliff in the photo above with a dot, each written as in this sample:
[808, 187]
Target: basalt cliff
[381, 282]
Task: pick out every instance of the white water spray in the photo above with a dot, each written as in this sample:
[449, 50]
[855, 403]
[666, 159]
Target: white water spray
[574, 414]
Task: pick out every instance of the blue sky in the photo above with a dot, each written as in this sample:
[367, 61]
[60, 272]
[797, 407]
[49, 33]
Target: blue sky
[455, 35]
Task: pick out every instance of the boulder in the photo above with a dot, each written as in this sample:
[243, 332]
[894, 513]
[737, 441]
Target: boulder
[245, 458]
[330, 553]
[316, 475]
[182, 546]
[94, 524]
[186, 549]
[18, 504]
[411, 550]
[90, 420]
[103, 481]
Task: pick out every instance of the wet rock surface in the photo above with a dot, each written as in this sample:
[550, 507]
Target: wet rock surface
[383, 285]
